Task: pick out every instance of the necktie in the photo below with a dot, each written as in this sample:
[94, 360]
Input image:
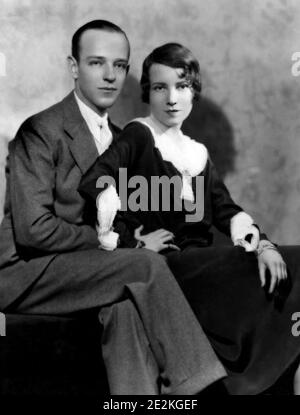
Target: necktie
[104, 138]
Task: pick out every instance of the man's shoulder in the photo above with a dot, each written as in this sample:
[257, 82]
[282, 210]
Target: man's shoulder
[138, 129]
[49, 118]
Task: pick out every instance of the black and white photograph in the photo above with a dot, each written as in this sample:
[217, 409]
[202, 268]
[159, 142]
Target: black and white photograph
[149, 201]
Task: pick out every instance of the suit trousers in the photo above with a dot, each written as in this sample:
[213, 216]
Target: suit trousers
[152, 342]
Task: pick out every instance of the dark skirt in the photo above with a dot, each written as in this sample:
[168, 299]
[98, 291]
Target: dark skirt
[250, 330]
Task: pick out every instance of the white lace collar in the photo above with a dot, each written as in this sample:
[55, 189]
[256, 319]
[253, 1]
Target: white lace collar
[187, 155]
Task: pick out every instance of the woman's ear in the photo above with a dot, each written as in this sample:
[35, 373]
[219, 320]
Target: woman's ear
[73, 67]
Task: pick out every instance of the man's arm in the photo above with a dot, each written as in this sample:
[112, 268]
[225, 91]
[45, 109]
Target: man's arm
[32, 185]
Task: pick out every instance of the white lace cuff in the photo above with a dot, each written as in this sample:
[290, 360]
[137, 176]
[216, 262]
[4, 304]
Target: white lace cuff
[109, 240]
[108, 203]
[241, 225]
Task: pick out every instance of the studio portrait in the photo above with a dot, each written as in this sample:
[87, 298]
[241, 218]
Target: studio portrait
[149, 200]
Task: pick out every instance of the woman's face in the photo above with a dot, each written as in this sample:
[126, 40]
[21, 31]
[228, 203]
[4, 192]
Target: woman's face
[171, 95]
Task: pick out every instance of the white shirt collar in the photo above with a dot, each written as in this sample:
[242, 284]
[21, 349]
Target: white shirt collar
[88, 113]
[94, 121]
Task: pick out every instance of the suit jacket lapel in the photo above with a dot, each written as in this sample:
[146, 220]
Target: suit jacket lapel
[81, 142]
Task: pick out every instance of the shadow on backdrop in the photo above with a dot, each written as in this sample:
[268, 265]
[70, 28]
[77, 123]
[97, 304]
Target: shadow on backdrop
[209, 125]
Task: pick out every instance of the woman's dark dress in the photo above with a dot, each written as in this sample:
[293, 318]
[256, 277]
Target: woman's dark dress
[250, 330]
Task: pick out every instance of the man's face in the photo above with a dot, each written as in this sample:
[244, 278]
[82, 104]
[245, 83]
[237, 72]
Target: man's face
[102, 68]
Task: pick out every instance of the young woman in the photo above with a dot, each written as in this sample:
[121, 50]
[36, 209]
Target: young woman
[243, 295]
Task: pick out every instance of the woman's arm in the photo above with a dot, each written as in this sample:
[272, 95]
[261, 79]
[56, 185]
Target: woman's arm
[122, 153]
[229, 217]
[100, 184]
[222, 205]
[225, 211]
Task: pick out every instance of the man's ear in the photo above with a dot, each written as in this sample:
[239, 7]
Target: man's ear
[73, 67]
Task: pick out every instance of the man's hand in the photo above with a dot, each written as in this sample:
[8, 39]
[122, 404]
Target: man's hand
[156, 241]
[272, 260]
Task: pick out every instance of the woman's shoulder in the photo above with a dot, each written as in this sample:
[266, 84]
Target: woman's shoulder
[138, 131]
[140, 124]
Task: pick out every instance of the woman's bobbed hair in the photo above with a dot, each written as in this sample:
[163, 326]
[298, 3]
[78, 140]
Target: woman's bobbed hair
[175, 56]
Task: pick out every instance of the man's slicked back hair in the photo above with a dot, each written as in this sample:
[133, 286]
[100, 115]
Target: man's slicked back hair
[104, 25]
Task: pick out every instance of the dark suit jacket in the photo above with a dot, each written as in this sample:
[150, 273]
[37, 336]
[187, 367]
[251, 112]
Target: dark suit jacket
[44, 214]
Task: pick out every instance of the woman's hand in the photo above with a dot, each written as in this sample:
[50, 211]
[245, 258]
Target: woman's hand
[157, 240]
[272, 260]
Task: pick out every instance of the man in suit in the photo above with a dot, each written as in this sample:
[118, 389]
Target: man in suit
[49, 257]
